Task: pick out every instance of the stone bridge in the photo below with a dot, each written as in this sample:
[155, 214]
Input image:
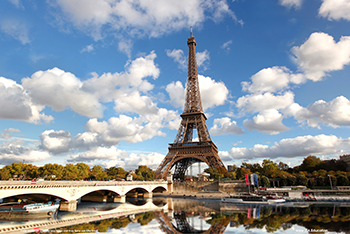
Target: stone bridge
[71, 191]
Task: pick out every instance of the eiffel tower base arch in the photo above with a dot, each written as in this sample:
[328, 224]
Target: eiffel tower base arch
[182, 156]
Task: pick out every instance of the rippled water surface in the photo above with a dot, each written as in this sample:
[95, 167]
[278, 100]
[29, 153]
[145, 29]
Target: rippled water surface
[169, 215]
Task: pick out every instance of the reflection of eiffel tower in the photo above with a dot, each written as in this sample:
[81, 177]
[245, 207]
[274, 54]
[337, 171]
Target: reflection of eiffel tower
[185, 150]
[182, 226]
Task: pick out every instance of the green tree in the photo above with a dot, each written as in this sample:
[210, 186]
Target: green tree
[4, 173]
[302, 180]
[342, 180]
[145, 173]
[97, 173]
[116, 172]
[291, 180]
[83, 171]
[310, 163]
[264, 181]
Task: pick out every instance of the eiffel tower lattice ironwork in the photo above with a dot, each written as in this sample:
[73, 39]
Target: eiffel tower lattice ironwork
[186, 150]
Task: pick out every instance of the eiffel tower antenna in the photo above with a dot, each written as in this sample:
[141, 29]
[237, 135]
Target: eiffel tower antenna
[187, 149]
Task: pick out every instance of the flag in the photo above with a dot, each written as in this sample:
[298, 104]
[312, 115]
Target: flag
[252, 179]
[33, 182]
[256, 180]
[258, 213]
[246, 179]
[248, 215]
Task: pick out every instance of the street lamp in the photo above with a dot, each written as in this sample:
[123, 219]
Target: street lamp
[330, 181]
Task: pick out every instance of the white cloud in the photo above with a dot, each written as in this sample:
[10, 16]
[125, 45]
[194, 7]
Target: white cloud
[212, 93]
[267, 121]
[59, 89]
[16, 104]
[294, 147]
[112, 156]
[15, 151]
[291, 3]
[260, 102]
[226, 45]
[334, 113]
[5, 135]
[12, 130]
[225, 126]
[96, 154]
[134, 102]
[203, 59]
[148, 17]
[55, 141]
[133, 130]
[16, 29]
[335, 9]
[321, 54]
[272, 80]
[176, 93]
[88, 48]
[110, 86]
[179, 57]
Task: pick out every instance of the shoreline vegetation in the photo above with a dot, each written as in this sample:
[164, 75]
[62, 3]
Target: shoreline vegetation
[312, 173]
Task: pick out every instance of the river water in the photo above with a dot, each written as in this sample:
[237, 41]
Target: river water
[179, 215]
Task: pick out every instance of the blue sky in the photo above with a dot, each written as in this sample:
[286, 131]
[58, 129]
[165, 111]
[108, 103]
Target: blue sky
[102, 81]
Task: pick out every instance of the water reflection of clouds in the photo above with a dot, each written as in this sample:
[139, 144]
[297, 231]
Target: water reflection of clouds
[295, 229]
[151, 228]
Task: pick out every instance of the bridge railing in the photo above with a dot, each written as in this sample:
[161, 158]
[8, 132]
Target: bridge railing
[59, 184]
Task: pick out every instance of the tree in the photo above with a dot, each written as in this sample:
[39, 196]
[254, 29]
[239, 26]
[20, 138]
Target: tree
[264, 181]
[145, 173]
[97, 173]
[302, 180]
[310, 163]
[116, 172]
[342, 180]
[83, 171]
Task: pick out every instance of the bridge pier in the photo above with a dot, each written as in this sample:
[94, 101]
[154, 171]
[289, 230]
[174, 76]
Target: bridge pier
[68, 205]
[121, 199]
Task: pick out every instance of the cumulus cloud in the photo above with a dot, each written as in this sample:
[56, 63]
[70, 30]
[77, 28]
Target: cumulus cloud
[225, 126]
[212, 93]
[267, 121]
[335, 9]
[16, 29]
[321, 54]
[110, 86]
[55, 141]
[96, 154]
[59, 89]
[17, 104]
[136, 103]
[291, 3]
[179, 57]
[334, 113]
[272, 79]
[139, 18]
[176, 93]
[15, 151]
[294, 147]
[112, 156]
[266, 101]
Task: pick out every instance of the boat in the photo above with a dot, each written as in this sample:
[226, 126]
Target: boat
[252, 199]
[14, 210]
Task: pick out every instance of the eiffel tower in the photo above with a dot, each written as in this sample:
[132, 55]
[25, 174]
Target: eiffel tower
[186, 150]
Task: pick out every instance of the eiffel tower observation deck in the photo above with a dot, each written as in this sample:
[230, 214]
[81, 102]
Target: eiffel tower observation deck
[192, 143]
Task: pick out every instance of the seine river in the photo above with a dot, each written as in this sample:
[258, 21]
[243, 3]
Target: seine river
[179, 215]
